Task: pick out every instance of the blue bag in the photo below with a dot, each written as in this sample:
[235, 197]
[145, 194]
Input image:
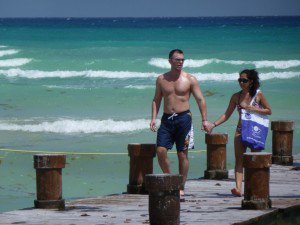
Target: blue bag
[254, 129]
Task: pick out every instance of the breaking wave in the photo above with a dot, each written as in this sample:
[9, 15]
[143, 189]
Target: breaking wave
[8, 52]
[192, 63]
[38, 74]
[14, 62]
[69, 126]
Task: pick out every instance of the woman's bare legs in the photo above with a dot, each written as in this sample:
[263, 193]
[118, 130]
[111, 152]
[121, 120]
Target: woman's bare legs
[239, 150]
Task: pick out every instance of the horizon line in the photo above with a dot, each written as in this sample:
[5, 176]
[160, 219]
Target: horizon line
[146, 17]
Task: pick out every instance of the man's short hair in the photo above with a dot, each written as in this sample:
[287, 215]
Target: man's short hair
[175, 51]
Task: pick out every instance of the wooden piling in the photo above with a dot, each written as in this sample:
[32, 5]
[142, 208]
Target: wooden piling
[282, 142]
[141, 163]
[164, 199]
[49, 181]
[257, 178]
[216, 156]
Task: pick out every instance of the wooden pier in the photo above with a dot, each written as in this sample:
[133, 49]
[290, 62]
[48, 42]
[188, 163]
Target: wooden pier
[208, 202]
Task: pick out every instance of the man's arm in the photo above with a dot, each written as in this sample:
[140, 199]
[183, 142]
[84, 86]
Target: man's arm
[196, 91]
[156, 105]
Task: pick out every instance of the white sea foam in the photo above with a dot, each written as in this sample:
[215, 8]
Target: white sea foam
[35, 74]
[79, 87]
[277, 64]
[68, 126]
[279, 75]
[234, 76]
[140, 87]
[3, 46]
[164, 63]
[192, 63]
[14, 62]
[159, 62]
[216, 76]
[199, 63]
[8, 52]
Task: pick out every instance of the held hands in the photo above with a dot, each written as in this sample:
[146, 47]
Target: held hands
[207, 126]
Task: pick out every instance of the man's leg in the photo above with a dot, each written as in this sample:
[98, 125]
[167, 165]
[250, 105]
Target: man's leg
[163, 160]
[183, 166]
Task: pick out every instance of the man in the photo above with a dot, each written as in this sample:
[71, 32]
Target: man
[175, 87]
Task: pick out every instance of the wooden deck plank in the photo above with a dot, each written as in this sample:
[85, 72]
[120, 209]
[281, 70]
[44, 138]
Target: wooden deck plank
[207, 202]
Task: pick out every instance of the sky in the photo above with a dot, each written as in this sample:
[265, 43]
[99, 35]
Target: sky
[147, 8]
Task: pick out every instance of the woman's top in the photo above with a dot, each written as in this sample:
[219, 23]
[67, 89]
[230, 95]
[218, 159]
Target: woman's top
[239, 107]
[253, 102]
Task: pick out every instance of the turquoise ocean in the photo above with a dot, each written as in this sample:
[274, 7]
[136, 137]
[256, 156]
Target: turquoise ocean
[84, 87]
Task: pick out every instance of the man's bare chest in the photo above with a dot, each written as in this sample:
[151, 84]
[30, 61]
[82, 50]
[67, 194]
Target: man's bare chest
[175, 88]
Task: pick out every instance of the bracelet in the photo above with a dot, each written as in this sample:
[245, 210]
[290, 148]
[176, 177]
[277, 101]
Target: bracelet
[214, 123]
[204, 120]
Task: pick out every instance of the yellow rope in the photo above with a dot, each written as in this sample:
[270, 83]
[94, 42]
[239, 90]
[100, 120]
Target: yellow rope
[80, 153]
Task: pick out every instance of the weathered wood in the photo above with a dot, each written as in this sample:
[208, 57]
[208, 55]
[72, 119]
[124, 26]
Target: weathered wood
[282, 142]
[207, 202]
[257, 177]
[141, 163]
[216, 156]
[164, 200]
[49, 181]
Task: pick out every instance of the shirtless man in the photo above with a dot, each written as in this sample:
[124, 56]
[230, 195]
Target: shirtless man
[175, 87]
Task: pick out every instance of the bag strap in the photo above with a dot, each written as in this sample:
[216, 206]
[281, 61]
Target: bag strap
[254, 96]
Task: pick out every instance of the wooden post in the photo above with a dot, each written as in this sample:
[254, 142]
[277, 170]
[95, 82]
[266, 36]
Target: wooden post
[164, 199]
[282, 142]
[49, 181]
[216, 156]
[257, 177]
[141, 163]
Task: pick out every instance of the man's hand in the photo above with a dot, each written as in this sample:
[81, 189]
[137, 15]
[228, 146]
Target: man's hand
[210, 127]
[207, 126]
[153, 125]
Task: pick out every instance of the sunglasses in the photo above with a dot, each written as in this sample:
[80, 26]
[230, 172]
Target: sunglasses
[178, 60]
[243, 80]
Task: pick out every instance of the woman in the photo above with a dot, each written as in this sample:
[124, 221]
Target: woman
[249, 83]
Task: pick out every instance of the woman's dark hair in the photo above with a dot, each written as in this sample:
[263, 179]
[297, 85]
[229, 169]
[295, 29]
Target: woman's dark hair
[175, 51]
[252, 75]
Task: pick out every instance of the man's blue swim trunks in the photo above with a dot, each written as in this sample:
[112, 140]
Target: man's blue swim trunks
[176, 128]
